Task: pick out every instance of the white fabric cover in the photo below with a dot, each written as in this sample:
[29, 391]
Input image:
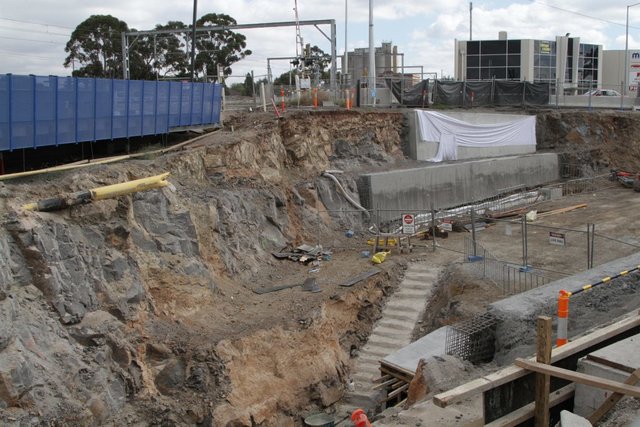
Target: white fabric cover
[451, 133]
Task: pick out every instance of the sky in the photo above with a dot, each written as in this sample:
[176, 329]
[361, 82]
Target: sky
[33, 33]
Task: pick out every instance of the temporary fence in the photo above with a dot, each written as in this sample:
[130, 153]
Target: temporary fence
[37, 111]
[494, 92]
[510, 278]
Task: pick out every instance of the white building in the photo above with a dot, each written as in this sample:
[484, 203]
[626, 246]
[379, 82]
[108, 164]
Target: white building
[531, 60]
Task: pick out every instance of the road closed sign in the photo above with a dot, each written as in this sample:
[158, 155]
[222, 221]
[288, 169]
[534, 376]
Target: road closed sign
[408, 224]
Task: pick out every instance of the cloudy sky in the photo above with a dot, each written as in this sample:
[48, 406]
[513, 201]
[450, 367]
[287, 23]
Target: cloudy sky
[33, 32]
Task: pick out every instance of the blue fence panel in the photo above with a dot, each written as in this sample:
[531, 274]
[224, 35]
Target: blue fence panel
[186, 92]
[149, 94]
[134, 118]
[86, 109]
[45, 95]
[5, 112]
[162, 107]
[38, 111]
[66, 108]
[120, 108]
[217, 104]
[104, 109]
[175, 104]
[22, 111]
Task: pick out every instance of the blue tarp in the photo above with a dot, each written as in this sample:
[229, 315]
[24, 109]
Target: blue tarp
[38, 111]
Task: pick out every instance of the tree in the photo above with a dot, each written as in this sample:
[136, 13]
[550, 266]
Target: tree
[215, 48]
[95, 45]
[171, 57]
[248, 85]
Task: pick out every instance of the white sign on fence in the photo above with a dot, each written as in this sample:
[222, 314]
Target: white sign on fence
[557, 238]
[408, 224]
[446, 225]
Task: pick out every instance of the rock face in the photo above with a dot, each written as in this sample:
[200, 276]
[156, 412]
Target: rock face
[593, 139]
[100, 304]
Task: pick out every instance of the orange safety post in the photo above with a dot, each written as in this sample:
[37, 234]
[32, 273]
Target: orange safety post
[360, 419]
[315, 97]
[282, 96]
[563, 318]
[347, 100]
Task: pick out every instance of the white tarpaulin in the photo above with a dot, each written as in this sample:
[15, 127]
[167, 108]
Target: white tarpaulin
[451, 133]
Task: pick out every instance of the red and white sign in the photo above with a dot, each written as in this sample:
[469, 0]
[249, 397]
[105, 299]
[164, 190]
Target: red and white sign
[446, 225]
[408, 224]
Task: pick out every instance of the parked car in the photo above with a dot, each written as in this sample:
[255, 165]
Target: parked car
[602, 92]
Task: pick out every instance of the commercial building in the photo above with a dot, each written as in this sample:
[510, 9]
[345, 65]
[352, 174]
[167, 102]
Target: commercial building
[532, 61]
[613, 76]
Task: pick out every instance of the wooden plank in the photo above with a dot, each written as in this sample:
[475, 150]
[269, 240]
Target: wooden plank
[512, 373]
[543, 382]
[578, 377]
[526, 412]
[387, 383]
[261, 291]
[396, 371]
[360, 277]
[397, 392]
[382, 379]
[561, 210]
[613, 399]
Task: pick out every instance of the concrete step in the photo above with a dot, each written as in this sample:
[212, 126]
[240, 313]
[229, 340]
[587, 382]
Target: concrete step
[387, 343]
[377, 352]
[406, 305]
[389, 323]
[383, 330]
[397, 315]
[411, 294]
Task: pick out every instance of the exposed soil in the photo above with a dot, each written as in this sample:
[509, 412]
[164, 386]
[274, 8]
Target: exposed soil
[142, 310]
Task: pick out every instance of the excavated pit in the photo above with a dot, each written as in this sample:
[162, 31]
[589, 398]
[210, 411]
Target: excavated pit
[141, 310]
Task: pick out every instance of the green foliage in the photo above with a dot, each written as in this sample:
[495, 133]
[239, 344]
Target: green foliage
[221, 48]
[171, 54]
[95, 47]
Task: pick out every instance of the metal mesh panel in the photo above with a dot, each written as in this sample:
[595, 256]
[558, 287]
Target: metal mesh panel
[472, 339]
[39, 111]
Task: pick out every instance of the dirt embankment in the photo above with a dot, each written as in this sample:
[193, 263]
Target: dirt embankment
[596, 139]
[140, 310]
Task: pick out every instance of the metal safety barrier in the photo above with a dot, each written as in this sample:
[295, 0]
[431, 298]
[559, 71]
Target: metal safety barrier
[40, 111]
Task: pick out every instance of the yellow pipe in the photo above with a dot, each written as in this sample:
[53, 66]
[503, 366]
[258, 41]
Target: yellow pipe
[100, 193]
[116, 190]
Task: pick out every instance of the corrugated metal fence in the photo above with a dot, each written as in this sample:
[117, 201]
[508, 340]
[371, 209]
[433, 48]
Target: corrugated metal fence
[38, 111]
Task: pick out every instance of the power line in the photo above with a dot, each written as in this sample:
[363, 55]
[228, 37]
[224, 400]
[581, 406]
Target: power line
[10, 53]
[31, 40]
[34, 23]
[584, 15]
[34, 31]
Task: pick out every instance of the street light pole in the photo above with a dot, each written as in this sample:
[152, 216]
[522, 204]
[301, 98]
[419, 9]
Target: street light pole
[345, 78]
[626, 52]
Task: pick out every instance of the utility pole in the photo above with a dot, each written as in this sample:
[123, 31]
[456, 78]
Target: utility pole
[193, 41]
[470, 20]
[372, 56]
[346, 52]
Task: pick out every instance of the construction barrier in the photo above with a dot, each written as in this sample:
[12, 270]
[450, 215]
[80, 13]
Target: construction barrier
[563, 303]
[40, 111]
[563, 318]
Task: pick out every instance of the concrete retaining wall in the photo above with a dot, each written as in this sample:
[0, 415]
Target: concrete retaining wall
[421, 150]
[447, 185]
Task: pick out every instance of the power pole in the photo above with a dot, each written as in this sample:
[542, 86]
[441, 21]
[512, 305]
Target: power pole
[193, 41]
